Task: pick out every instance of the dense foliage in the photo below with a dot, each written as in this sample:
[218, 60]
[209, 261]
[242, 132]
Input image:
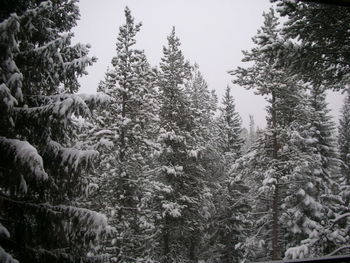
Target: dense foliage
[172, 175]
[41, 176]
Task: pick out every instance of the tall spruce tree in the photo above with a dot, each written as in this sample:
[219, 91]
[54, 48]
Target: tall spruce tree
[294, 158]
[277, 159]
[266, 76]
[128, 128]
[230, 128]
[179, 202]
[40, 168]
[311, 214]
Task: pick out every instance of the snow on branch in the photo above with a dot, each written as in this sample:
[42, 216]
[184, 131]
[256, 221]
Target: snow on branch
[10, 73]
[5, 257]
[94, 100]
[22, 156]
[94, 220]
[7, 101]
[297, 252]
[4, 232]
[76, 220]
[90, 100]
[340, 217]
[8, 29]
[60, 110]
[84, 223]
[71, 157]
[172, 209]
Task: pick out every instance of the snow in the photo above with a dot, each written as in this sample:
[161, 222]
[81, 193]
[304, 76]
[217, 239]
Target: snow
[106, 143]
[193, 153]
[172, 209]
[7, 98]
[297, 252]
[96, 222]
[98, 98]
[4, 232]
[5, 257]
[301, 192]
[16, 81]
[339, 217]
[170, 170]
[337, 236]
[103, 132]
[25, 156]
[23, 185]
[8, 28]
[72, 157]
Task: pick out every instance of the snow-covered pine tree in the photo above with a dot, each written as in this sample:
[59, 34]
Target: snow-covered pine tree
[40, 169]
[267, 78]
[127, 128]
[344, 155]
[203, 104]
[287, 115]
[312, 202]
[203, 108]
[289, 161]
[228, 222]
[179, 202]
[230, 129]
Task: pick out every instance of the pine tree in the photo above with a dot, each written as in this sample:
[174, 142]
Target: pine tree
[41, 169]
[128, 128]
[225, 224]
[295, 161]
[230, 128]
[312, 212]
[179, 202]
[200, 102]
[275, 156]
[266, 76]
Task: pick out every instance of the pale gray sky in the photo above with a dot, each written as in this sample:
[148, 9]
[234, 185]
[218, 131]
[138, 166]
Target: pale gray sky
[212, 33]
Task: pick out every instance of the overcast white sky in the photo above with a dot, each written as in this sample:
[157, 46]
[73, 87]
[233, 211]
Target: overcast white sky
[212, 33]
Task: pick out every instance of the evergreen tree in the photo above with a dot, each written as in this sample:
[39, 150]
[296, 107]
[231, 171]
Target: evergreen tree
[200, 102]
[268, 79]
[230, 128]
[294, 163]
[128, 130]
[179, 202]
[283, 154]
[41, 168]
[227, 222]
[312, 212]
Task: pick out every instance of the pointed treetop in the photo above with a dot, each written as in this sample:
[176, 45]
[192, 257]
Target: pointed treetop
[128, 31]
[173, 62]
[268, 33]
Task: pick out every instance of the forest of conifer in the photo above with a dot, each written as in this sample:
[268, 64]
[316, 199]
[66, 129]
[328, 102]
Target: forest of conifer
[154, 167]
